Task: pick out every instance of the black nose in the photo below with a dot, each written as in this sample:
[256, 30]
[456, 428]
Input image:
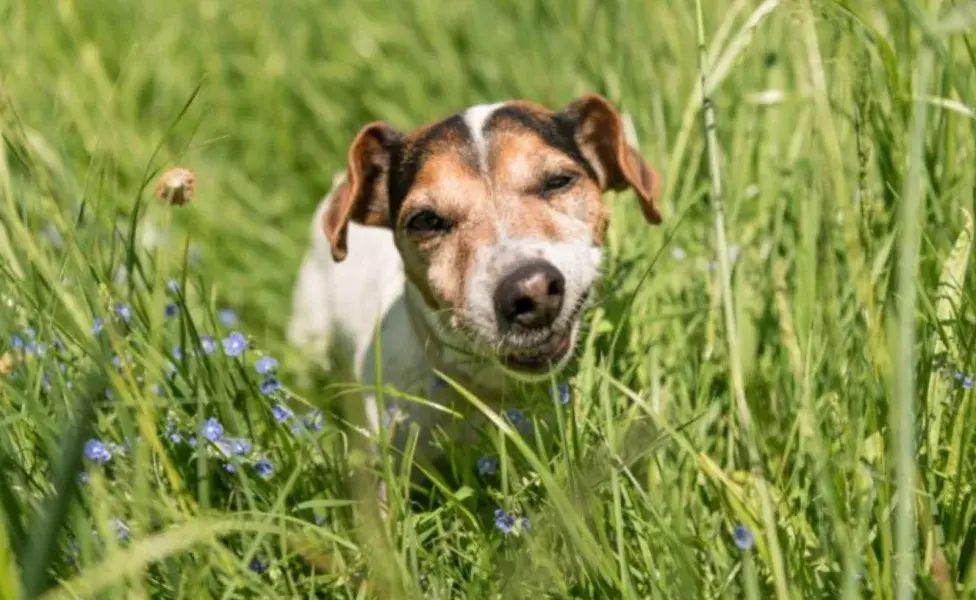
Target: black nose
[530, 296]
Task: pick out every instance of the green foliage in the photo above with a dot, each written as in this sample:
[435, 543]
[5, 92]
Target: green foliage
[800, 429]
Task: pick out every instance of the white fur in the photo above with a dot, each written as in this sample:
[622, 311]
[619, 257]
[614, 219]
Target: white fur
[476, 118]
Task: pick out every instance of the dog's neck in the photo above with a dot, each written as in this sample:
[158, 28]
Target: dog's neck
[448, 353]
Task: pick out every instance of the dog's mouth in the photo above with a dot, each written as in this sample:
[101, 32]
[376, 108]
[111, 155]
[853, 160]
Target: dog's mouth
[542, 358]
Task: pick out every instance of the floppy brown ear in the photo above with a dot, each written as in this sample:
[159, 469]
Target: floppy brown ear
[600, 137]
[363, 196]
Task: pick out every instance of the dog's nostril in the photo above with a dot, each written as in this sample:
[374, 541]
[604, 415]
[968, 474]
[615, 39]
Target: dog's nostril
[557, 287]
[530, 296]
[523, 305]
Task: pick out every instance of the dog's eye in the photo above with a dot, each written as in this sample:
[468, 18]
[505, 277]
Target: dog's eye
[427, 221]
[554, 183]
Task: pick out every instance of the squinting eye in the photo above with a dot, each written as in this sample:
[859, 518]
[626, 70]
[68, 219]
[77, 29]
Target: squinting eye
[555, 183]
[427, 221]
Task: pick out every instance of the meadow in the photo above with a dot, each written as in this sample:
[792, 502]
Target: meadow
[773, 398]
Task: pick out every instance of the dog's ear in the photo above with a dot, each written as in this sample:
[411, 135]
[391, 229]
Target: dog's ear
[600, 135]
[362, 196]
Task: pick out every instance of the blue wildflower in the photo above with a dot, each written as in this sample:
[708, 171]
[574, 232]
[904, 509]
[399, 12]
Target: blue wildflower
[504, 522]
[258, 566]
[83, 477]
[208, 344]
[227, 317]
[264, 468]
[487, 465]
[117, 361]
[17, 342]
[173, 286]
[967, 383]
[270, 386]
[212, 429]
[178, 352]
[515, 416]
[230, 468]
[157, 389]
[281, 413]
[175, 436]
[240, 446]
[121, 529]
[313, 421]
[743, 537]
[192, 441]
[235, 344]
[562, 393]
[265, 365]
[97, 451]
[958, 375]
[97, 326]
[123, 311]
[172, 310]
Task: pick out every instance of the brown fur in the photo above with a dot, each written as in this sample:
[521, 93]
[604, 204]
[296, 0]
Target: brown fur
[506, 198]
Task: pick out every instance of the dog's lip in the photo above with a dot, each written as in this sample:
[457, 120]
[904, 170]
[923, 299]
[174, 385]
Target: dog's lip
[542, 357]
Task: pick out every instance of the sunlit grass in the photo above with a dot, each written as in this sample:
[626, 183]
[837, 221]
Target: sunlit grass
[773, 399]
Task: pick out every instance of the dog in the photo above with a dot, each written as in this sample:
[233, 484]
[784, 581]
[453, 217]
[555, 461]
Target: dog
[468, 247]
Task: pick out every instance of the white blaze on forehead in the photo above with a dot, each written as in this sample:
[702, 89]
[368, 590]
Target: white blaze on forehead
[476, 118]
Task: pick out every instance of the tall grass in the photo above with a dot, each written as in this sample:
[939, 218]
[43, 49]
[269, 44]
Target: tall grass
[773, 399]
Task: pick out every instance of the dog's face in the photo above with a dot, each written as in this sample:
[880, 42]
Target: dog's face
[497, 213]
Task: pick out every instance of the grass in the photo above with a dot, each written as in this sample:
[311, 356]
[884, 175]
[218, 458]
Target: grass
[774, 400]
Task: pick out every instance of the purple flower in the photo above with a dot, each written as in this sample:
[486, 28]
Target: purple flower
[270, 386]
[208, 344]
[487, 465]
[157, 389]
[265, 365]
[227, 317]
[123, 311]
[212, 429]
[172, 310]
[173, 286]
[117, 361]
[504, 522]
[313, 421]
[121, 529]
[264, 468]
[230, 468]
[515, 416]
[240, 446]
[178, 352]
[96, 451]
[192, 441]
[561, 393]
[17, 342]
[743, 537]
[235, 344]
[967, 383]
[97, 326]
[257, 566]
[281, 413]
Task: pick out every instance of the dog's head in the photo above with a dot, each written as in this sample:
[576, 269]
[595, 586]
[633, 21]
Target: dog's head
[497, 213]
